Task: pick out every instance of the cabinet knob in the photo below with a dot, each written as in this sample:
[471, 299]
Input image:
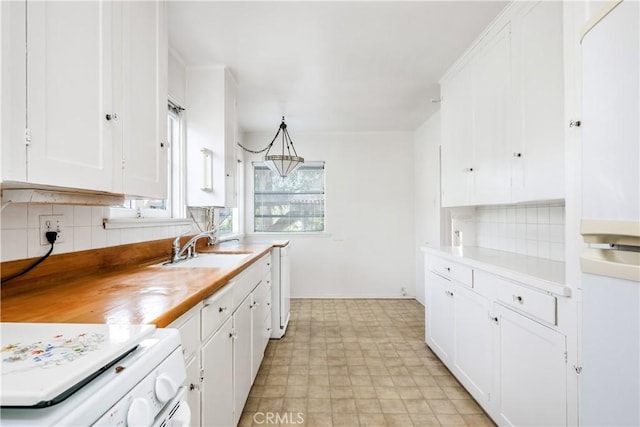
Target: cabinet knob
[110, 117]
[575, 123]
[468, 170]
[193, 387]
[493, 318]
[162, 145]
[517, 154]
[222, 309]
[518, 299]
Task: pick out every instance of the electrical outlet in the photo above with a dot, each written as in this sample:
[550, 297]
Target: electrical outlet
[51, 223]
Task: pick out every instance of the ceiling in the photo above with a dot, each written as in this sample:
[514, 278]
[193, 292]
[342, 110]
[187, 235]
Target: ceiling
[330, 66]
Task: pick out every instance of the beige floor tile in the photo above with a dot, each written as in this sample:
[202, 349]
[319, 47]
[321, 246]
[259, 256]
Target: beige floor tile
[456, 393]
[368, 406]
[387, 393]
[364, 392]
[339, 380]
[296, 391]
[341, 392]
[398, 420]
[299, 370]
[372, 420]
[269, 404]
[294, 404]
[409, 392]
[451, 420]
[300, 380]
[318, 420]
[478, 420]
[424, 420]
[319, 405]
[392, 406]
[343, 406]
[319, 391]
[274, 391]
[424, 380]
[360, 380]
[442, 406]
[403, 381]
[319, 370]
[345, 419]
[358, 370]
[417, 406]
[275, 380]
[322, 380]
[433, 393]
[382, 381]
[252, 404]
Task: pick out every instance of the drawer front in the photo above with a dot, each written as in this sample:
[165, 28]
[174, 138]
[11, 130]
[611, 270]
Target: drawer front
[189, 327]
[536, 304]
[217, 308]
[249, 279]
[451, 270]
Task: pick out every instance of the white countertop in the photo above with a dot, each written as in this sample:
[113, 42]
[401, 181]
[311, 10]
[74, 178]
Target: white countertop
[539, 273]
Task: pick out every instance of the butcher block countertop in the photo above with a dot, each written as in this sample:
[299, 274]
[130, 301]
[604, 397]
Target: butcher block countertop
[117, 293]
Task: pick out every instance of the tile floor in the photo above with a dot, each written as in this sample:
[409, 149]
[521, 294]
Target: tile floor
[357, 362]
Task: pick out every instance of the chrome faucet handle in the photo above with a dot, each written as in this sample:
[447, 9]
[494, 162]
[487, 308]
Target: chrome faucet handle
[176, 245]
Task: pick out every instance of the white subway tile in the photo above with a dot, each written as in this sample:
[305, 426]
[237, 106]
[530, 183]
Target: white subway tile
[131, 235]
[14, 216]
[532, 248]
[544, 250]
[501, 215]
[67, 211]
[98, 213]
[556, 233]
[98, 237]
[34, 210]
[14, 244]
[543, 233]
[113, 237]
[82, 238]
[522, 247]
[532, 215]
[82, 216]
[67, 245]
[521, 215]
[34, 247]
[532, 232]
[557, 251]
[543, 214]
[511, 215]
[556, 215]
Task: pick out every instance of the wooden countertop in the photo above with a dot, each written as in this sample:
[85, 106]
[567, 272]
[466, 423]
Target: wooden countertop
[148, 293]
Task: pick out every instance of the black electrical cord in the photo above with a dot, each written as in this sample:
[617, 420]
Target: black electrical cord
[51, 237]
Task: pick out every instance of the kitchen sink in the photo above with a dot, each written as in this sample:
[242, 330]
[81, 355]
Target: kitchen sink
[209, 260]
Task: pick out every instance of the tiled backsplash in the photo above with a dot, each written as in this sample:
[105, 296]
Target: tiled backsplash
[532, 229]
[83, 230]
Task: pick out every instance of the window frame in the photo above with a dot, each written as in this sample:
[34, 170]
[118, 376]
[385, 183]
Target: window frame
[250, 212]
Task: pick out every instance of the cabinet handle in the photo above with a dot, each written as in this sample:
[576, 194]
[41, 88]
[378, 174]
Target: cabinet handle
[222, 309]
[575, 123]
[493, 319]
[448, 269]
[468, 170]
[268, 329]
[110, 117]
[194, 387]
[448, 293]
[517, 154]
[162, 145]
[233, 335]
[518, 299]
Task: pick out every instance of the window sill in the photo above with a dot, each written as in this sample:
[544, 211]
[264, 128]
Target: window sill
[115, 223]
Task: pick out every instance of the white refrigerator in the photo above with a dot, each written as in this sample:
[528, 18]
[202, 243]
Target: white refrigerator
[610, 224]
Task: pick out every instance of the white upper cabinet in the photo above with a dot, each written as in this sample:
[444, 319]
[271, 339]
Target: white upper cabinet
[144, 99]
[211, 137]
[89, 108]
[502, 112]
[538, 140]
[69, 91]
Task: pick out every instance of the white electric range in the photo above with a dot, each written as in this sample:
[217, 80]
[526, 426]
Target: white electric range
[91, 374]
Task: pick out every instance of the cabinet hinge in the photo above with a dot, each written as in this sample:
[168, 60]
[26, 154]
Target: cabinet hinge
[578, 369]
[27, 137]
[566, 357]
[122, 163]
[201, 375]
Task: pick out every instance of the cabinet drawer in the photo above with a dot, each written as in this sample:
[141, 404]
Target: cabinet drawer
[250, 278]
[451, 270]
[189, 327]
[216, 309]
[536, 304]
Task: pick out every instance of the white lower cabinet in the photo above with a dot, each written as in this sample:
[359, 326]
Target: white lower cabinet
[511, 363]
[217, 378]
[472, 334]
[531, 367]
[223, 339]
[242, 380]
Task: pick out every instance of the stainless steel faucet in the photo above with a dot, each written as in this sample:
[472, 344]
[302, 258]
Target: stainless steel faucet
[189, 249]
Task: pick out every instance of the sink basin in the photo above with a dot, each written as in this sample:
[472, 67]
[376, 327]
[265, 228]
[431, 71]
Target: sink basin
[218, 260]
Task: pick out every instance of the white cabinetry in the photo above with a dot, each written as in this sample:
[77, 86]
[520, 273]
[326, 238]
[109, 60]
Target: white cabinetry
[211, 137]
[221, 345]
[537, 69]
[531, 368]
[502, 112]
[499, 339]
[89, 108]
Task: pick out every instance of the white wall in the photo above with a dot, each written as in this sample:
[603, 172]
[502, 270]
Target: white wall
[367, 250]
[426, 194]
[177, 84]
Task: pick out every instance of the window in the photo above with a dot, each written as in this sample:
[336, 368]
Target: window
[291, 204]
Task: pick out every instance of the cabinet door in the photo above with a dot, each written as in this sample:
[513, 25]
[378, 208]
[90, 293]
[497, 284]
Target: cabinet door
[457, 139]
[538, 87]
[473, 333]
[242, 343]
[69, 88]
[439, 316]
[230, 141]
[217, 365]
[531, 366]
[193, 389]
[257, 328]
[144, 99]
[491, 81]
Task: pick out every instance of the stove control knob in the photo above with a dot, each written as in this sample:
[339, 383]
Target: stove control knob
[140, 413]
[165, 388]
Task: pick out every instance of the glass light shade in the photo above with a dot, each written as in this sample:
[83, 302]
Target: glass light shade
[283, 165]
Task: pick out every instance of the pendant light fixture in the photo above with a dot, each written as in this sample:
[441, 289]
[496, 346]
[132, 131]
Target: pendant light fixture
[288, 160]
